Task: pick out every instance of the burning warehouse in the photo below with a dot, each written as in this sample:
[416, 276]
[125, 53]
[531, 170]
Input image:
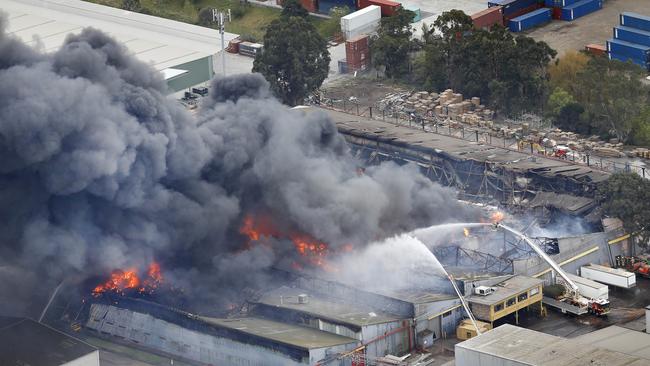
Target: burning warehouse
[126, 203]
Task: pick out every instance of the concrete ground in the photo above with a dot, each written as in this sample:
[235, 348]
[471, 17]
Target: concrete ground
[431, 9]
[593, 28]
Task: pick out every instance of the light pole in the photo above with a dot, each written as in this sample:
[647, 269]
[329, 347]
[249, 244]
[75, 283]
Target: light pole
[219, 17]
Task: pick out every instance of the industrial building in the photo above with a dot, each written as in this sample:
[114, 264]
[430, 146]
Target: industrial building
[237, 341]
[26, 342]
[619, 339]
[379, 333]
[434, 315]
[511, 345]
[506, 297]
[182, 52]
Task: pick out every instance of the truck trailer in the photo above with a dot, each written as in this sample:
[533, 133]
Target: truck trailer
[611, 276]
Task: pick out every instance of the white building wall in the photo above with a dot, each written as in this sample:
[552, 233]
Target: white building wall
[151, 332]
[441, 326]
[394, 344]
[91, 359]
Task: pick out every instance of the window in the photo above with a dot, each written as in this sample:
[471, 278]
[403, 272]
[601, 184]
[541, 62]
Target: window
[446, 314]
[511, 301]
[522, 297]
[469, 335]
[498, 307]
[534, 291]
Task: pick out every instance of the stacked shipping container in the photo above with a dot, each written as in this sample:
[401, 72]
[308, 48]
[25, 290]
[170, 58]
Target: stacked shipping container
[573, 9]
[357, 53]
[530, 20]
[487, 18]
[631, 40]
[388, 8]
[364, 21]
[515, 8]
[580, 9]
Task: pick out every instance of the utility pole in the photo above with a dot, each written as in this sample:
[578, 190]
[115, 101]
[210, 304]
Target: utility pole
[219, 17]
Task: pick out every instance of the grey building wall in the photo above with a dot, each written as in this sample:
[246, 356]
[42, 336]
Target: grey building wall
[396, 343]
[442, 326]
[148, 331]
[200, 71]
[570, 248]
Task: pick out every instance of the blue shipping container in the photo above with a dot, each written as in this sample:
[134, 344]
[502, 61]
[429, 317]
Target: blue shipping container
[559, 3]
[580, 9]
[512, 6]
[632, 35]
[635, 20]
[614, 56]
[632, 50]
[530, 20]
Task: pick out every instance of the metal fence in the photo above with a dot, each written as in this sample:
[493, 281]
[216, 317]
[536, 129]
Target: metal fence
[433, 124]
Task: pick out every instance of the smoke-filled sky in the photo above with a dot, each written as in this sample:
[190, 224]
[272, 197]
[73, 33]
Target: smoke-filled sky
[100, 170]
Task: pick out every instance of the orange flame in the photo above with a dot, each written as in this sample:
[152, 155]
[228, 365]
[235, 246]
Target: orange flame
[313, 251]
[124, 280]
[466, 232]
[497, 216]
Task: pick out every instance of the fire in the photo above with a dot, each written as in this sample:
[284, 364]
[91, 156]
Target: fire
[313, 251]
[466, 232]
[497, 216]
[122, 281]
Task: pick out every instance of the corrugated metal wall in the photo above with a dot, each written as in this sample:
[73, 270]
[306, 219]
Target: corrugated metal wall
[160, 335]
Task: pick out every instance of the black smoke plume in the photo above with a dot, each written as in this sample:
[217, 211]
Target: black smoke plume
[100, 170]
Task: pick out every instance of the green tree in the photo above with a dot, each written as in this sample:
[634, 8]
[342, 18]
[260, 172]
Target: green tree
[131, 5]
[295, 60]
[627, 197]
[559, 99]
[641, 128]
[612, 94]
[391, 47]
[205, 17]
[332, 26]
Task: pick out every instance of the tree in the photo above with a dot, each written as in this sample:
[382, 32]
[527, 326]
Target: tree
[612, 94]
[131, 5]
[627, 196]
[559, 99]
[640, 134]
[391, 47]
[205, 16]
[293, 8]
[295, 60]
[332, 26]
[564, 71]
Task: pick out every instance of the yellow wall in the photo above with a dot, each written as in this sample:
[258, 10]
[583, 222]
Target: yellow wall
[518, 305]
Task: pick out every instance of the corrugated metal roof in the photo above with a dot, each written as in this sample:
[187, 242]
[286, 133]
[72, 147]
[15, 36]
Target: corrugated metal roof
[506, 289]
[615, 338]
[161, 42]
[293, 335]
[535, 348]
[325, 307]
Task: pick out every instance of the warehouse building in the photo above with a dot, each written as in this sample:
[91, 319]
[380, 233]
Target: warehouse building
[619, 339]
[26, 342]
[379, 333]
[183, 53]
[505, 298]
[434, 315]
[238, 341]
[512, 346]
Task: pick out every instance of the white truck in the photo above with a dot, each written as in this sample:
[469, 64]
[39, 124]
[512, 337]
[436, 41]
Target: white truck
[611, 276]
[590, 289]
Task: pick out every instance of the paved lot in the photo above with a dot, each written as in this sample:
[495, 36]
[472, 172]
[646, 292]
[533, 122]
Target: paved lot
[593, 28]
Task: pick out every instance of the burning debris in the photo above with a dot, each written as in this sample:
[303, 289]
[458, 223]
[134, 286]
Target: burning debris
[99, 170]
[124, 281]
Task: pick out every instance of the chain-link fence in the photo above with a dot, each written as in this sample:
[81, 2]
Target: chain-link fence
[448, 127]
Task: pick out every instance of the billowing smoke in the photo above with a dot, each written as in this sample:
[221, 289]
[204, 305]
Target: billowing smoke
[99, 170]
